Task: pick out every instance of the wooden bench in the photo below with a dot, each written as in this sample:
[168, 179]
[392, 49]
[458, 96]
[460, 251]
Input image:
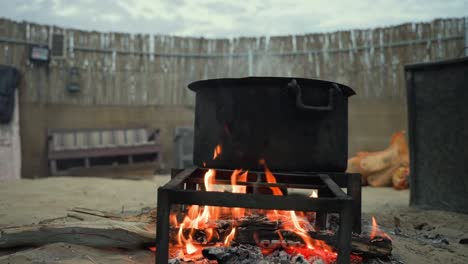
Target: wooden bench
[87, 148]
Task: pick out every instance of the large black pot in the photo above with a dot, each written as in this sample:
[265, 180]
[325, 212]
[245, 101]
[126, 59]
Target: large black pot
[294, 124]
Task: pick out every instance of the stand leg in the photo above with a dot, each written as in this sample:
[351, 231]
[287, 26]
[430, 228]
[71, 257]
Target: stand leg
[344, 235]
[162, 227]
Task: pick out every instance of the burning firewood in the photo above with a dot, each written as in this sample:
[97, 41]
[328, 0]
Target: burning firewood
[259, 231]
[383, 168]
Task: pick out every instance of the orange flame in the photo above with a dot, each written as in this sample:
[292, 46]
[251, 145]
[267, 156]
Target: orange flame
[376, 232]
[296, 221]
[270, 178]
[209, 234]
[180, 237]
[173, 220]
[306, 238]
[209, 180]
[217, 151]
[230, 237]
[235, 177]
[189, 247]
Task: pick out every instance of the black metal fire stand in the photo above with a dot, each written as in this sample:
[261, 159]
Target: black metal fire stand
[186, 188]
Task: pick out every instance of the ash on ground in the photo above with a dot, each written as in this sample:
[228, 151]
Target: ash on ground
[247, 254]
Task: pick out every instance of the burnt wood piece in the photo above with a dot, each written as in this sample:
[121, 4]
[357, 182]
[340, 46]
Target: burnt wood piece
[268, 238]
[360, 245]
[258, 230]
[101, 234]
[147, 215]
[234, 254]
[253, 232]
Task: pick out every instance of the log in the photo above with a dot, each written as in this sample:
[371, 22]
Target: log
[375, 165]
[147, 216]
[101, 234]
[258, 230]
[360, 245]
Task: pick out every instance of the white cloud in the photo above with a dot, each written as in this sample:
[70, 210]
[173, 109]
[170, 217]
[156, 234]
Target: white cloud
[67, 11]
[213, 18]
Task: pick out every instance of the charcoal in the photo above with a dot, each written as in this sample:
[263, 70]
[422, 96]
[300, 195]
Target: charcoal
[247, 253]
[437, 240]
[284, 256]
[315, 260]
[299, 259]
[333, 223]
[243, 254]
[174, 261]
[215, 253]
[278, 257]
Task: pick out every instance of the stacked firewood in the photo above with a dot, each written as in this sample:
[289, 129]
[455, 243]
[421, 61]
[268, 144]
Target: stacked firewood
[389, 167]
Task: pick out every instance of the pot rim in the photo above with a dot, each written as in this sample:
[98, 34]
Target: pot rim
[304, 82]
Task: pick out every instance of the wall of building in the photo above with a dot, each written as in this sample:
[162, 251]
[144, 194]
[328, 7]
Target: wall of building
[128, 79]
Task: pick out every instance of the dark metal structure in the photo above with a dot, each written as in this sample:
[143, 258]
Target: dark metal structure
[186, 188]
[295, 124]
[437, 95]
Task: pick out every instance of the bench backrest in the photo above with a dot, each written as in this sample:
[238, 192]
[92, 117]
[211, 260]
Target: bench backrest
[71, 139]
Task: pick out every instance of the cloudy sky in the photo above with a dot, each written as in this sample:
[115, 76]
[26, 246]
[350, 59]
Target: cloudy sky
[211, 18]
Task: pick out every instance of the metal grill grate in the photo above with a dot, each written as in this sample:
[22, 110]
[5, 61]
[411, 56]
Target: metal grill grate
[183, 190]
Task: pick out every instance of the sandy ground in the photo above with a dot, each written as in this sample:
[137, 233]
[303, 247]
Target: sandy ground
[426, 236]
[30, 201]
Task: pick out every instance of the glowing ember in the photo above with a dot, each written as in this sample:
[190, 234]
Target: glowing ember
[376, 232]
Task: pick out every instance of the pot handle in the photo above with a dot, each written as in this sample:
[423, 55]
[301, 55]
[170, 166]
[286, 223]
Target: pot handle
[300, 104]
